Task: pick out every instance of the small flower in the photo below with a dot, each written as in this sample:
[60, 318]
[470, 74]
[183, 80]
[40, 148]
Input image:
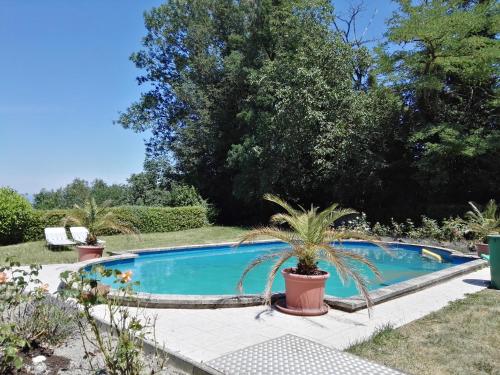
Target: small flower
[126, 276]
[44, 288]
[3, 278]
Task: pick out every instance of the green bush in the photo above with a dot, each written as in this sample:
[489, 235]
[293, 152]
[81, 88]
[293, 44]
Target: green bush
[43, 219]
[454, 229]
[181, 195]
[163, 219]
[45, 322]
[16, 216]
[145, 219]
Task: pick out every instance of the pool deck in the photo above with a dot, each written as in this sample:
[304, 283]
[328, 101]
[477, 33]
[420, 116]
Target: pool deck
[203, 335]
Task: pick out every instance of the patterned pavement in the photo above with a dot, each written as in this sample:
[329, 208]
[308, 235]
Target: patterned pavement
[290, 354]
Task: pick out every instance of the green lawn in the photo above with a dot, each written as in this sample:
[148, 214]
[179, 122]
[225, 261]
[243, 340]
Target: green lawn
[37, 252]
[462, 338]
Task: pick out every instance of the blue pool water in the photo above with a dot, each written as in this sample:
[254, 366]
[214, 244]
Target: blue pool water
[217, 269]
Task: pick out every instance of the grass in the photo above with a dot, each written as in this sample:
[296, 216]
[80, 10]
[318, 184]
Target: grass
[462, 338]
[37, 252]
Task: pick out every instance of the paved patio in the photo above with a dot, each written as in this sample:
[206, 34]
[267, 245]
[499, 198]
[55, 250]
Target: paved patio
[206, 334]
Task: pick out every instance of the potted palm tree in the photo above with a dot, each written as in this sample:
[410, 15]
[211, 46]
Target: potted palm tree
[483, 223]
[311, 238]
[97, 220]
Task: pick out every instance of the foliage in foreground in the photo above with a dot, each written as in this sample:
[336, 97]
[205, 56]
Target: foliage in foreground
[310, 236]
[120, 341]
[29, 318]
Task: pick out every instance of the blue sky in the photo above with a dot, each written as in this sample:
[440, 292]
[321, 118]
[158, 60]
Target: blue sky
[65, 75]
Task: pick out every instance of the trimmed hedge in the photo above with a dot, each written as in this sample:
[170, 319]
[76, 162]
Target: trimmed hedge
[146, 219]
[163, 219]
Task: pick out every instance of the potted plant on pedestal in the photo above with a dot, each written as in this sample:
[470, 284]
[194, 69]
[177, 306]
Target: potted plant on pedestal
[311, 238]
[483, 223]
[96, 220]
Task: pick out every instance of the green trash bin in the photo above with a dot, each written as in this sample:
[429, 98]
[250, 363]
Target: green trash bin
[494, 244]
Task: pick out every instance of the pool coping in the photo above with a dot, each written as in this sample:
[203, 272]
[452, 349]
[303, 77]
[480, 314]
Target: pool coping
[349, 304]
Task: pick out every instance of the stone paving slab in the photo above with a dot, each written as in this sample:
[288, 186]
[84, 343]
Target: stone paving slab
[294, 355]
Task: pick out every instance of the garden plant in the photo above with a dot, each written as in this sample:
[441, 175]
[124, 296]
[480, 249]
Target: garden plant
[119, 340]
[312, 238]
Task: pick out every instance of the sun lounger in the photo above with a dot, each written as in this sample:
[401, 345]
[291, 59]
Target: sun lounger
[57, 237]
[80, 234]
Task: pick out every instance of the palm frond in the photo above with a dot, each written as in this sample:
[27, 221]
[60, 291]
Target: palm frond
[475, 214]
[255, 263]
[485, 222]
[272, 275]
[280, 202]
[276, 233]
[346, 234]
[333, 213]
[338, 259]
[98, 219]
[358, 258]
[340, 235]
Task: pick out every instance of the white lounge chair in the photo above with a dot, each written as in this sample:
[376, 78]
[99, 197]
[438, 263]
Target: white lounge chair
[80, 234]
[57, 237]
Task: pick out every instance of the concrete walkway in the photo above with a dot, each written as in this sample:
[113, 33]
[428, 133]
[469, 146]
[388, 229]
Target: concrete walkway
[206, 334]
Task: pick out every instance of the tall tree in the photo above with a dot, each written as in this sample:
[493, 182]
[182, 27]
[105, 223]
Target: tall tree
[253, 97]
[442, 57]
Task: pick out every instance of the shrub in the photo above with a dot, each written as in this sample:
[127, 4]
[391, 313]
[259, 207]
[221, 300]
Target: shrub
[183, 195]
[29, 317]
[43, 219]
[10, 346]
[165, 219]
[120, 342]
[381, 230]
[45, 322]
[16, 216]
[145, 219]
[398, 230]
[359, 223]
[454, 229]
[14, 294]
[429, 229]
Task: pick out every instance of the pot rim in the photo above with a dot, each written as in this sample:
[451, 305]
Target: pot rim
[90, 247]
[286, 273]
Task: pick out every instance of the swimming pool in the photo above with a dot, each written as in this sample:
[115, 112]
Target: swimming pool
[215, 270]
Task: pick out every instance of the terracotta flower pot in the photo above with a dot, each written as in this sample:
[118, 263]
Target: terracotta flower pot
[304, 294]
[482, 248]
[86, 252]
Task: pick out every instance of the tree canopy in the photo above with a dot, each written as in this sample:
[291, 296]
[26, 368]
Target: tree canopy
[245, 98]
[442, 59]
[152, 187]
